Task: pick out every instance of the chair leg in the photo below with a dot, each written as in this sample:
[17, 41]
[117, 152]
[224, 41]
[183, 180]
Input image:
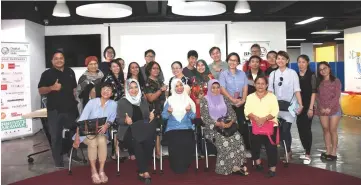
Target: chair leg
[195, 136]
[161, 150]
[71, 155]
[154, 165]
[205, 149]
[286, 154]
[82, 153]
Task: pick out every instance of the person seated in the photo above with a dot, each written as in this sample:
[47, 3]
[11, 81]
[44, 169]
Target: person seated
[231, 157]
[97, 144]
[179, 111]
[136, 127]
[262, 108]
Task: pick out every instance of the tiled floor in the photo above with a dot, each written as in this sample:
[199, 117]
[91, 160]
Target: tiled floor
[14, 165]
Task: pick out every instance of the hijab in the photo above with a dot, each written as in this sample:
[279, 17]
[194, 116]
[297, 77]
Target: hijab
[179, 102]
[203, 76]
[135, 100]
[216, 105]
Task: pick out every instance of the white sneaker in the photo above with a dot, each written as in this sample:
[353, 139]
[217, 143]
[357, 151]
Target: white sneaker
[306, 160]
[302, 156]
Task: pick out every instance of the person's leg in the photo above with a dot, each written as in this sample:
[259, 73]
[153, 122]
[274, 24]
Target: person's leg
[242, 127]
[334, 122]
[305, 133]
[271, 150]
[325, 123]
[92, 156]
[140, 155]
[69, 123]
[256, 148]
[128, 143]
[55, 130]
[102, 155]
[148, 146]
[286, 135]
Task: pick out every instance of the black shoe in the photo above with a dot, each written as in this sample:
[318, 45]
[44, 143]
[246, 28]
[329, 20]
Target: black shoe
[77, 159]
[331, 158]
[271, 174]
[259, 167]
[324, 155]
[60, 166]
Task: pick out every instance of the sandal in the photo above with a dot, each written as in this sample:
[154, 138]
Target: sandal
[242, 172]
[103, 177]
[271, 174]
[96, 178]
[331, 158]
[324, 155]
[132, 157]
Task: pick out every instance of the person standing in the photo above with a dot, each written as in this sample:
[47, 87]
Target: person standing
[256, 51]
[190, 70]
[149, 56]
[109, 55]
[59, 85]
[217, 66]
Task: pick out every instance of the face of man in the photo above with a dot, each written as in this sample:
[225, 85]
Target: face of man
[58, 60]
[149, 57]
[256, 51]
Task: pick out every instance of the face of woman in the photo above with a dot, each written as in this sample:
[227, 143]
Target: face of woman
[261, 85]
[302, 64]
[254, 64]
[109, 54]
[271, 58]
[155, 70]
[176, 69]
[216, 90]
[133, 89]
[179, 88]
[93, 66]
[122, 63]
[324, 70]
[134, 69]
[281, 61]
[200, 67]
[233, 62]
[106, 92]
[115, 68]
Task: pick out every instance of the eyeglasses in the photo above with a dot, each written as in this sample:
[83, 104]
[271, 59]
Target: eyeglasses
[149, 56]
[176, 68]
[155, 68]
[323, 69]
[281, 80]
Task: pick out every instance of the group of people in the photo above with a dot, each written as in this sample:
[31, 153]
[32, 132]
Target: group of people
[222, 97]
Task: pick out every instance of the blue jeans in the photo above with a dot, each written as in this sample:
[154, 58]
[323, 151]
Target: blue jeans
[286, 134]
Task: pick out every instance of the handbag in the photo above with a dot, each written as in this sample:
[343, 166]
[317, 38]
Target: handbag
[90, 126]
[282, 104]
[266, 129]
[226, 132]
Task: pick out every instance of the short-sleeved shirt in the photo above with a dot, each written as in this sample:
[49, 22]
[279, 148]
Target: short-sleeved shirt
[63, 100]
[286, 84]
[152, 86]
[222, 65]
[233, 82]
[189, 73]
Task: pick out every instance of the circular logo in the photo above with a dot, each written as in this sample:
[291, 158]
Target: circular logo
[263, 51]
[3, 115]
[4, 50]
[2, 66]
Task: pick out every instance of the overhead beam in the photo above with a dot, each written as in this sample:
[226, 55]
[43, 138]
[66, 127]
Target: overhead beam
[280, 6]
[164, 8]
[152, 7]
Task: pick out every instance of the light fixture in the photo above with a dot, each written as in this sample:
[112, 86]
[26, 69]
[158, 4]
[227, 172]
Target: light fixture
[242, 7]
[61, 9]
[325, 32]
[295, 39]
[104, 10]
[293, 46]
[338, 38]
[309, 20]
[199, 8]
[317, 43]
[174, 2]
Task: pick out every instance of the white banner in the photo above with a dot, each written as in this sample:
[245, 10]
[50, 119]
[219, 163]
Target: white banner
[352, 46]
[245, 52]
[15, 90]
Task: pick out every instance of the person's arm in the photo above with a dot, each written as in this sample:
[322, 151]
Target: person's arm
[169, 86]
[296, 88]
[165, 113]
[191, 115]
[314, 91]
[44, 87]
[248, 109]
[244, 89]
[274, 107]
[206, 118]
[245, 67]
[153, 96]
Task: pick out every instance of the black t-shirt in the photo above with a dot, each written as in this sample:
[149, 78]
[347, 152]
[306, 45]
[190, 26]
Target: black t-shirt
[62, 100]
[104, 67]
[189, 73]
[269, 70]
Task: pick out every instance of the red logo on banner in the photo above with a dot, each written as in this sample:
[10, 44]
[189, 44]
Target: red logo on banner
[4, 87]
[15, 114]
[11, 66]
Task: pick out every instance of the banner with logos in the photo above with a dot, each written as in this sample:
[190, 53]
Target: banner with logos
[245, 52]
[352, 54]
[15, 90]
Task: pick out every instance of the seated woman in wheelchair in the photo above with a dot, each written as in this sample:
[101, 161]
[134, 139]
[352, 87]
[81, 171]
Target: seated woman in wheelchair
[179, 111]
[231, 157]
[262, 109]
[136, 127]
[97, 144]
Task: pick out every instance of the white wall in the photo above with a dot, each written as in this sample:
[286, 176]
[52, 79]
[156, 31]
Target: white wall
[352, 43]
[293, 53]
[13, 30]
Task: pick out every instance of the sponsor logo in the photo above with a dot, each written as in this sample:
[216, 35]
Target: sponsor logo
[11, 65]
[4, 87]
[20, 99]
[17, 93]
[3, 115]
[4, 50]
[14, 124]
[15, 114]
[3, 108]
[18, 106]
[2, 66]
[17, 85]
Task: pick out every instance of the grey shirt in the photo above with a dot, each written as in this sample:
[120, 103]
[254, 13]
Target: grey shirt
[222, 65]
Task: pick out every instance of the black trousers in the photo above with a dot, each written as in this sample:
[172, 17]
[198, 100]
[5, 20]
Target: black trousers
[143, 152]
[304, 130]
[243, 127]
[128, 142]
[59, 146]
[271, 150]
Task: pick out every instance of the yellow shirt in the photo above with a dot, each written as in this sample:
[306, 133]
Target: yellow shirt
[262, 107]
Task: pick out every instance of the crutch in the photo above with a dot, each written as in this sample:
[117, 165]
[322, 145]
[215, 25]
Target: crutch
[205, 149]
[195, 136]
[114, 137]
[161, 148]
[154, 156]
[281, 122]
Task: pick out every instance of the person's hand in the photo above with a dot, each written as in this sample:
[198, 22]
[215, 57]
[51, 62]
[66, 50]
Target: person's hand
[240, 102]
[227, 125]
[198, 101]
[76, 142]
[261, 121]
[151, 116]
[164, 88]
[299, 110]
[170, 109]
[188, 108]
[56, 86]
[128, 120]
[103, 128]
[218, 124]
[310, 113]
[327, 111]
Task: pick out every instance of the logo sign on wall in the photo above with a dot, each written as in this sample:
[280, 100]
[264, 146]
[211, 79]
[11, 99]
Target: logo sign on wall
[15, 90]
[245, 52]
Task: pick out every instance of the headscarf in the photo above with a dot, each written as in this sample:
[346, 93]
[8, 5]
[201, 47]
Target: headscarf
[216, 105]
[179, 102]
[135, 100]
[203, 76]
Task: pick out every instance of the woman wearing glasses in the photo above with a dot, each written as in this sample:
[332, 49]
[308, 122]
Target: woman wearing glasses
[285, 84]
[178, 74]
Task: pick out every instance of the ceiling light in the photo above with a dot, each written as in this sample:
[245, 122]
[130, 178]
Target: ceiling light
[326, 32]
[104, 10]
[295, 39]
[61, 9]
[317, 43]
[174, 2]
[309, 20]
[241, 7]
[338, 38]
[293, 46]
[199, 8]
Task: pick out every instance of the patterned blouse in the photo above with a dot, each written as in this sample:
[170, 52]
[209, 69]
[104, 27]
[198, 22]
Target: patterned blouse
[199, 90]
[328, 96]
[152, 86]
[117, 86]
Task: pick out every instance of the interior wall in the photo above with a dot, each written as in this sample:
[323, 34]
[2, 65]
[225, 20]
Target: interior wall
[293, 53]
[13, 30]
[352, 43]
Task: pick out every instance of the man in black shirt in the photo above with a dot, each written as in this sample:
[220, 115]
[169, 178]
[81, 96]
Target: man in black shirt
[190, 70]
[58, 84]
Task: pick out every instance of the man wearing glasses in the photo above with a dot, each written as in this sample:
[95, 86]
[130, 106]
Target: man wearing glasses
[149, 56]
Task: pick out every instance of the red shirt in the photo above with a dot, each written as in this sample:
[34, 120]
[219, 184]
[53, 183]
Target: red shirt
[263, 65]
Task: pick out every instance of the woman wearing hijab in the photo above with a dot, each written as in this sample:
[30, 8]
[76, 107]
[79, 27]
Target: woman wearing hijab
[179, 111]
[136, 127]
[231, 157]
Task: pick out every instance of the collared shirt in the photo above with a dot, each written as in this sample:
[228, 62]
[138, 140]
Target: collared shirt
[268, 105]
[284, 84]
[233, 82]
[222, 65]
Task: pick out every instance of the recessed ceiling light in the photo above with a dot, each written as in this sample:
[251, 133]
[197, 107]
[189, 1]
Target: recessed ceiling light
[104, 10]
[338, 38]
[325, 32]
[295, 39]
[199, 8]
[317, 43]
[293, 46]
[242, 7]
[309, 20]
